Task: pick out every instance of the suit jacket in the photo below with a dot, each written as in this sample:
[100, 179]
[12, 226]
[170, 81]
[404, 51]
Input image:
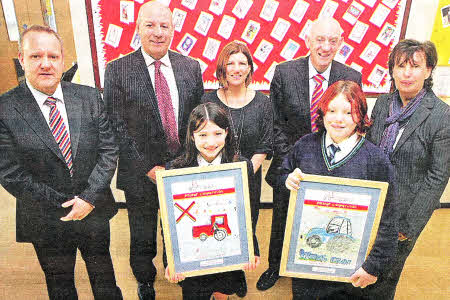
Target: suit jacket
[289, 93]
[133, 109]
[420, 159]
[33, 170]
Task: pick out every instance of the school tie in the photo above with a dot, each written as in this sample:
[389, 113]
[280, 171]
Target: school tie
[166, 109]
[332, 149]
[317, 94]
[60, 133]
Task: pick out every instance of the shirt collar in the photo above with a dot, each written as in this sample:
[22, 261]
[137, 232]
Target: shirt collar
[41, 97]
[150, 60]
[346, 145]
[202, 162]
[313, 71]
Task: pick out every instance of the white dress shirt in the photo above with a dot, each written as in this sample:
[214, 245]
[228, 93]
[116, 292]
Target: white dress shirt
[313, 72]
[346, 146]
[167, 71]
[203, 162]
[45, 109]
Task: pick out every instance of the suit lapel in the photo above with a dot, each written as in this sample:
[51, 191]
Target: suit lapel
[334, 73]
[301, 79]
[420, 115]
[74, 107]
[178, 72]
[28, 108]
[140, 70]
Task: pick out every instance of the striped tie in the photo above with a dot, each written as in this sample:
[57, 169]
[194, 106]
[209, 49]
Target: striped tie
[332, 149]
[317, 94]
[166, 109]
[60, 133]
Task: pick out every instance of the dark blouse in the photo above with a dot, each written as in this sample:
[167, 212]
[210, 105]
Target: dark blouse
[254, 120]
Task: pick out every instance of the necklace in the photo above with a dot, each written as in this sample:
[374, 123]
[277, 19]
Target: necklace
[237, 132]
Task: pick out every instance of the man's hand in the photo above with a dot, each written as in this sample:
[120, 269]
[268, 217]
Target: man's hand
[293, 180]
[362, 279]
[80, 209]
[152, 173]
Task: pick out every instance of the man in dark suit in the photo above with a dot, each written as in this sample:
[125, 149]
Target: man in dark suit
[57, 157]
[149, 94]
[296, 86]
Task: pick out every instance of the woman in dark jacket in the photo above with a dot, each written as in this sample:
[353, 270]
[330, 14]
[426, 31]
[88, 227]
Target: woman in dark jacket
[412, 126]
[250, 111]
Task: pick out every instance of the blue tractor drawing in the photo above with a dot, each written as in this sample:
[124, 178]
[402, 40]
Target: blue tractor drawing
[337, 235]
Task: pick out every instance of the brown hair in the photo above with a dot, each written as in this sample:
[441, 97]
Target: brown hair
[230, 49]
[404, 52]
[354, 94]
[198, 118]
[38, 28]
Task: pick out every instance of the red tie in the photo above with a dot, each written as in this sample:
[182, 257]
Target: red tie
[166, 108]
[60, 133]
[317, 94]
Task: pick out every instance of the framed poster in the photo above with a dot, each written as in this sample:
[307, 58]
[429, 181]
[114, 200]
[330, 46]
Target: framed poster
[206, 219]
[331, 226]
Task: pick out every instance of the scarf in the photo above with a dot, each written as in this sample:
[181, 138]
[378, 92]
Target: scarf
[397, 115]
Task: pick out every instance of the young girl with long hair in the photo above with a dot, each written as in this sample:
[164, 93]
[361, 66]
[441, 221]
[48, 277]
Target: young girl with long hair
[209, 142]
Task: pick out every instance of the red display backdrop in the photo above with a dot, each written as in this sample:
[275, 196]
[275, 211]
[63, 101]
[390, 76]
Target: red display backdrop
[273, 30]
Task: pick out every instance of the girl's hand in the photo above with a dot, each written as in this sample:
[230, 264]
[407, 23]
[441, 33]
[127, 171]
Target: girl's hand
[293, 180]
[362, 279]
[173, 278]
[251, 266]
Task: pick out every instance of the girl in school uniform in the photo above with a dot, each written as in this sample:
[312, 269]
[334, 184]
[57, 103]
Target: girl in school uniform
[210, 142]
[340, 149]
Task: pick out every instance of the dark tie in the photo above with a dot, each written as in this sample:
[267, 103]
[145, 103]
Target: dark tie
[166, 108]
[317, 94]
[60, 133]
[332, 149]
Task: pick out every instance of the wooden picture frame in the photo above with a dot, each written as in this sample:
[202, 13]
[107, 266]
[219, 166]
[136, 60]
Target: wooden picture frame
[333, 231]
[206, 218]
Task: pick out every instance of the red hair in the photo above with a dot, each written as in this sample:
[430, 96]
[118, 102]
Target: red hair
[354, 94]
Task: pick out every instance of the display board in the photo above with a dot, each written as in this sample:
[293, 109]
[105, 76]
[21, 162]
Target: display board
[274, 31]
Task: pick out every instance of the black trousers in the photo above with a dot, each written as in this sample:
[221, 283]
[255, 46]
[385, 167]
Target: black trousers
[57, 259]
[279, 214]
[143, 221]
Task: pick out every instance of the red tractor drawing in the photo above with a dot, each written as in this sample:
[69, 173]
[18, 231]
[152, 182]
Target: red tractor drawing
[218, 228]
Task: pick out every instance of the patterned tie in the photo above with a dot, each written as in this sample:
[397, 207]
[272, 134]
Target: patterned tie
[332, 149]
[60, 133]
[166, 108]
[317, 94]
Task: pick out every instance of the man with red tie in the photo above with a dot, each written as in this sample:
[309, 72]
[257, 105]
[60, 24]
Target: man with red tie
[57, 157]
[149, 94]
[295, 90]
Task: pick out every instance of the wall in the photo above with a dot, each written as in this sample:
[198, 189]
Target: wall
[29, 12]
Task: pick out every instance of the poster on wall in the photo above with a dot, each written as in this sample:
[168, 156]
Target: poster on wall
[275, 31]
